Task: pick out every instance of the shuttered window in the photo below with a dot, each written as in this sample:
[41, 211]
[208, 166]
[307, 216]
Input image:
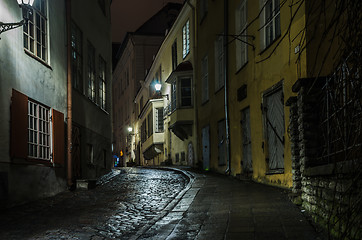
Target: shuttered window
[37, 132]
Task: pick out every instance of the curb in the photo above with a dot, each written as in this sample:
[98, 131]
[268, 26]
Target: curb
[171, 204]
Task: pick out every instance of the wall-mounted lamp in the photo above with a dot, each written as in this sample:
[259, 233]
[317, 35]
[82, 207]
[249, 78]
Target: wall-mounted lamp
[129, 129]
[158, 90]
[26, 5]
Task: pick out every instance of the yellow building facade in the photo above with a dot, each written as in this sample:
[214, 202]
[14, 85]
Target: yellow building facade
[261, 47]
[165, 126]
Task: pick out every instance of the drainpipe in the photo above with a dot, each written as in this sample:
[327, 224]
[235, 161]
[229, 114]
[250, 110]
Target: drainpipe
[226, 63]
[69, 98]
[194, 20]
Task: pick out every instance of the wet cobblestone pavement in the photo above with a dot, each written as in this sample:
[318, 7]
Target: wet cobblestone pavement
[116, 209]
[154, 204]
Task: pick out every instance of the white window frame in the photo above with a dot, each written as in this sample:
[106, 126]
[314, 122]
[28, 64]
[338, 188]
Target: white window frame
[219, 62]
[39, 131]
[159, 124]
[205, 79]
[35, 33]
[241, 30]
[270, 26]
[186, 39]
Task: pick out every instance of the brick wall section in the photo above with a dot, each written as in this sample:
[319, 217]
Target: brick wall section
[331, 193]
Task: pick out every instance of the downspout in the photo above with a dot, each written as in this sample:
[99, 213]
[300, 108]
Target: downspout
[226, 63]
[194, 18]
[69, 98]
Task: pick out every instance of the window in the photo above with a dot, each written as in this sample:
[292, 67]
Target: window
[77, 58]
[173, 96]
[143, 132]
[203, 9]
[177, 156]
[159, 120]
[90, 154]
[241, 31]
[186, 38]
[270, 22]
[186, 92]
[205, 79]
[174, 55]
[104, 158]
[149, 125]
[35, 32]
[102, 83]
[38, 131]
[91, 73]
[183, 157]
[221, 135]
[219, 62]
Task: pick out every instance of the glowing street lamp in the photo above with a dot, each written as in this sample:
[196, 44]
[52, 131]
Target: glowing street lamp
[158, 86]
[27, 6]
[158, 89]
[129, 129]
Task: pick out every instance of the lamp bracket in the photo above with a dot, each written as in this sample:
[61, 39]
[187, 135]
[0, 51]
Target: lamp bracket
[8, 26]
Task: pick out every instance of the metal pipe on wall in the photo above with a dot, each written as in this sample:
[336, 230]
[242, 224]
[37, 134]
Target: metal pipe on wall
[226, 72]
[69, 98]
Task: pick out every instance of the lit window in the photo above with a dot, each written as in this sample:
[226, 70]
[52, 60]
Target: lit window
[102, 83]
[270, 21]
[77, 58]
[91, 73]
[159, 120]
[186, 38]
[35, 32]
[38, 131]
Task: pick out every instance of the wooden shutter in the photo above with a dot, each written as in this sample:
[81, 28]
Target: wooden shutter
[58, 137]
[19, 125]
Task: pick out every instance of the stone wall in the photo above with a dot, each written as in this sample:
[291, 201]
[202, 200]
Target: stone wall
[330, 192]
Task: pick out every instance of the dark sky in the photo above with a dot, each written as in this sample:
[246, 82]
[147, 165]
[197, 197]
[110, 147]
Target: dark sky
[128, 15]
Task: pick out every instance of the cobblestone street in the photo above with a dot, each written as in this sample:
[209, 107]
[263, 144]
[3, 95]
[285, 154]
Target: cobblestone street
[154, 204]
[115, 209]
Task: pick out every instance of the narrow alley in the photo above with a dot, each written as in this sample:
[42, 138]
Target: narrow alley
[142, 203]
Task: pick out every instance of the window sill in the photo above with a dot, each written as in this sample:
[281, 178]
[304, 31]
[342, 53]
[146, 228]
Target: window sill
[203, 17]
[275, 171]
[32, 161]
[204, 102]
[30, 54]
[219, 89]
[241, 68]
[267, 47]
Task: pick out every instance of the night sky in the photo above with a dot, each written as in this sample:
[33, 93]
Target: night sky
[128, 15]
